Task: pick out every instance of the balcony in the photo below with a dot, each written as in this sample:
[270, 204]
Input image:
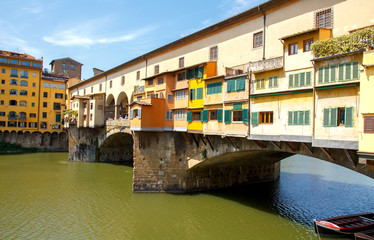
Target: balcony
[139, 89]
[266, 64]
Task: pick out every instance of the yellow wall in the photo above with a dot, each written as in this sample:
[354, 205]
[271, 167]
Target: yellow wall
[213, 98]
[195, 84]
[235, 127]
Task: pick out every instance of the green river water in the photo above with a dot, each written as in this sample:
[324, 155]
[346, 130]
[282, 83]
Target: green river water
[43, 196]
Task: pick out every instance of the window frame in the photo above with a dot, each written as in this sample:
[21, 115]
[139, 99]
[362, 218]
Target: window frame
[294, 47]
[258, 39]
[307, 44]
[213, 53]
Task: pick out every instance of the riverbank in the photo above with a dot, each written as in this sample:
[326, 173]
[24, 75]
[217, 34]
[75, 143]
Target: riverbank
[9, 148]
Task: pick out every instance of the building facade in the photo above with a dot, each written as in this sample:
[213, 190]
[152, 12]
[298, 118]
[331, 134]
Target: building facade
[68, 67]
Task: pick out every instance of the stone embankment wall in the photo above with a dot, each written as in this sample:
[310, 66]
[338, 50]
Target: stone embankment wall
[42, 141]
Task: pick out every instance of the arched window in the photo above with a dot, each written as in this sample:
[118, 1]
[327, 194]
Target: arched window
[22, 116]
[24, 74]
[12, 116]
[13, 92]
[14, 72]
[13, 82]
[12, 103]
[23, 92]
[24, 83]
[23, 103]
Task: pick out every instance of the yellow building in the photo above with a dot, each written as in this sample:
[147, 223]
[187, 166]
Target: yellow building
[20, 82]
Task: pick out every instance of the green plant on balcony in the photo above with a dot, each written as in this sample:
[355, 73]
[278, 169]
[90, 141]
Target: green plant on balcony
[360, 39]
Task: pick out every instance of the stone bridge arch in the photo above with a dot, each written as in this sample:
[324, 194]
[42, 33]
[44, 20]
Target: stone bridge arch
[117, 147]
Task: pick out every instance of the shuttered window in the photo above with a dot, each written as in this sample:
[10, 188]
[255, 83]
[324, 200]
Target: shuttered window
[299, 117]
[240, 84]
[214, 88]
[192, 94]
[333, 117]
[200, 72]
[369, 124]
[231, 86]
[245, 115]
[301, 79]
[340, 72]
[205, 115]
[189, 116]
[273, 82]
[254, 118]
[199, 93]
[219, 115]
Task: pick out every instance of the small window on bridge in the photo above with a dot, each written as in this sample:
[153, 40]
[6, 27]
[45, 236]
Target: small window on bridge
[369, 124]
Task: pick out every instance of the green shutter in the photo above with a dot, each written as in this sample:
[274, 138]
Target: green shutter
[245, 115]
[262, 82]
[192, 94]
[242, 84]
[307, 117]
[254, 118]
[205, 115]
[334, 117]
[302, 79]
[219, 89]
[296, 118]
[326, 117]
[301, 118]
[320, 75]
[275, 81]
[297, 81]
[290, 115]
[348, 71]
[327, 74]
[308, 79]
[199, 93]
[333, 73]
[187, 74]
[356, 70]
[270, 82]
[219, 115]
[349, 117]
[200, 72]
[341, 72]
[227, 116]
[209, 88]
[229, 86]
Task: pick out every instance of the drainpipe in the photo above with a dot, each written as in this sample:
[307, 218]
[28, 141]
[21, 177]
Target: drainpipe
[264, 33]
[249, 103]
[106, 79]
[314, 102]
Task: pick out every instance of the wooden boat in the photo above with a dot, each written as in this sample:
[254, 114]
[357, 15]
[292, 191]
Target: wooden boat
[366, 235]
[345, 225]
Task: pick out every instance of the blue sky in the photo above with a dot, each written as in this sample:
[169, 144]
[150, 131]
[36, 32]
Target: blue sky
[105, 33]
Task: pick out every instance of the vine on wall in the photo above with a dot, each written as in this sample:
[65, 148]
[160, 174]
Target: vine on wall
[360, 39]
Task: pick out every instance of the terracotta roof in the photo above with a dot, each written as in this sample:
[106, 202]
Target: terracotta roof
[313, 30]
[143, 103]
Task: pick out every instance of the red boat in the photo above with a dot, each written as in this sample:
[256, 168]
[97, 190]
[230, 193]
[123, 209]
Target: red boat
[366, 235]
[345, 225]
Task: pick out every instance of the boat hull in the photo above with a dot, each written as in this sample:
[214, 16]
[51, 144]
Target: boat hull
[366, 235]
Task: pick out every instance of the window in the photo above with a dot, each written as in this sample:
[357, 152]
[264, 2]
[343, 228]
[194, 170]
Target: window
[214, 88]
[57, 106]
[323, 19]
[44, 115]
[2, 114]
[169, 115]
[307, 45]
[2, 81]
[24, 83]
[45, 94]
[46, 85]
[150, 82]
[13, 82]
[341, 116]
[123, 80]
[35, 64]
[24, 74]
[136, 113]
[292, 49]
[261, 118]
[25, 63]
[71, 67]
[138, 98]
[61, 86]
[13, 92]
[180, 114]
[23, 92]
[13, 61]
[160, 95]
[181, 76]
[110, 84]
[301, 79]
[257, 39]
[2, 91]
[157, 69]
[192, 94]
[12, 115]
[137, 75]
[213, 53]
[340, 72]
[32, 104]
[3, 60]
[59, 95]
[54, 85]
[22, 116]
[237, 116]
[22, 124]
[91, 106]
[2, 102]
[199, 93]
[160, 81]
[181, 62]
[34, 74]
[100, 87]
[12, 124]
[299, 117]
[33, 84]
[196, 116]
[64, 66]
[260, 83]
[84, 91]
[32, 124]
[43, 125]
[213, 114]
[2, 124]
[180, 95]
[33, 94]
[91, 117]
[195, 73]
[170, 97]
[32, 115]
[236, 85]
[45, 104]
[273, 82]
[23, 103]
[368, 124]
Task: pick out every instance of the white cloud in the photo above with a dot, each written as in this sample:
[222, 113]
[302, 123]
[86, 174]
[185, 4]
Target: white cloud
[237, 6]
[84, 35]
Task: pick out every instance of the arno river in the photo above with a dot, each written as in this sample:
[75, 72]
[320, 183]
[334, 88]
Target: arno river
[43, 196]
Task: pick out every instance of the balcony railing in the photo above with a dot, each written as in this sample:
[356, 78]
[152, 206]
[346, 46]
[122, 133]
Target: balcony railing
[139, 89]
[119, 123]
[266, 64]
